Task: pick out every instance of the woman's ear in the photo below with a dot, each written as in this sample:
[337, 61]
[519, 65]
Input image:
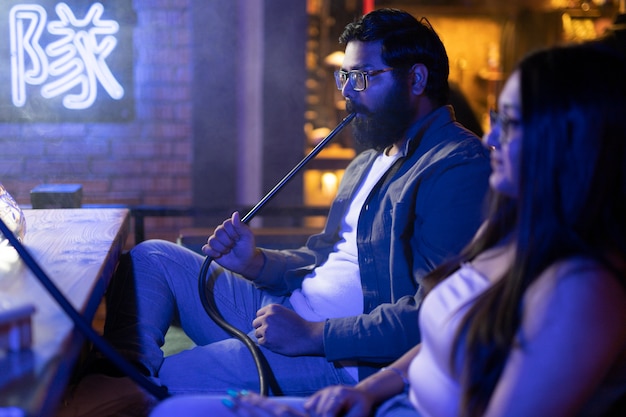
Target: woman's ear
[419, 78]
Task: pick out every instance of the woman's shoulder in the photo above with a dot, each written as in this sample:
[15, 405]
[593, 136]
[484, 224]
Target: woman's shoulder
[578, 275]
[581, 272]
[578, 289]
[572, 336]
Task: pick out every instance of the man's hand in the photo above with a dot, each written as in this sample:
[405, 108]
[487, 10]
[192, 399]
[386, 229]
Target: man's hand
[233, 246]
[283, 331]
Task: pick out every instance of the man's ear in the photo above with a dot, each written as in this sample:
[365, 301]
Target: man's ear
[419, 78]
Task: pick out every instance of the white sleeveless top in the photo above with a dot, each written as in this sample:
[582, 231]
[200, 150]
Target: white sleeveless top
[441, 314]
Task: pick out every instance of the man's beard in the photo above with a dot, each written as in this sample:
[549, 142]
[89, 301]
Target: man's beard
[384, 126]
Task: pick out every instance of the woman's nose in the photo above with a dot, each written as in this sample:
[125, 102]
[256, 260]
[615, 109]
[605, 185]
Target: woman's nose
[490, 139]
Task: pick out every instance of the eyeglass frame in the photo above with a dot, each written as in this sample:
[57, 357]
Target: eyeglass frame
[348, 77]
[502, 122]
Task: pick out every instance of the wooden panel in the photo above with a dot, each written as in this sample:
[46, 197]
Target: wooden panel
[78, 249]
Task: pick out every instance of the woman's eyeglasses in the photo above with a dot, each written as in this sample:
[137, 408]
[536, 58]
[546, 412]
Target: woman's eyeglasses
[503, 123]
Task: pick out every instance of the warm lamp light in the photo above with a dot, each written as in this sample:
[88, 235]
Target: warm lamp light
[329, 184]
[334, 59]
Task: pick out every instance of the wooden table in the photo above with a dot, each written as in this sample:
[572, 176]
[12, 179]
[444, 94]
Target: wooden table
[79, 250]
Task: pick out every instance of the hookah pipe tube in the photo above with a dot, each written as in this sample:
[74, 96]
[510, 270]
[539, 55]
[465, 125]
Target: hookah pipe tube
[206, 281]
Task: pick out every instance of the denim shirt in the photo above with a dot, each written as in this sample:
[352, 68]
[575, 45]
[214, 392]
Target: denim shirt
[424, 209]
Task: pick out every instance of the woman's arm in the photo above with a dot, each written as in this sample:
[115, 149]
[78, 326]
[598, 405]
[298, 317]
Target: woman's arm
[390, 380]
[358, 401]
[572, 332]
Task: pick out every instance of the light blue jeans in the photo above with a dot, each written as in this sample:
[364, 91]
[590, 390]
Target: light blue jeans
[164, 288]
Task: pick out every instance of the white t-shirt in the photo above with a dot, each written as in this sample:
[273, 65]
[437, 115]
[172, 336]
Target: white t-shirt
[333, 289]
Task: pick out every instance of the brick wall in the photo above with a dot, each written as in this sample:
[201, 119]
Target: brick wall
[145, 161]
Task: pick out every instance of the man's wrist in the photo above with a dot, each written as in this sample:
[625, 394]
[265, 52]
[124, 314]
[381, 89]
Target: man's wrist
[256, 265]
[317, 336]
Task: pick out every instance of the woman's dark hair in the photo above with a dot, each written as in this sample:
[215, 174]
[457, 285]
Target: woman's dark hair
[572, 199]
[405, 42]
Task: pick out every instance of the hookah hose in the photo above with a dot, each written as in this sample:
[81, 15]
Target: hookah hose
[83, 326]
[206, 281]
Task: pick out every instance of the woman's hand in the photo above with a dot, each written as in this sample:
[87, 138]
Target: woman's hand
[248, 404]
[340, 401]
[329, 402]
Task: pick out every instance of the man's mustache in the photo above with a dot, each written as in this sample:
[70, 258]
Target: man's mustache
[354, 108]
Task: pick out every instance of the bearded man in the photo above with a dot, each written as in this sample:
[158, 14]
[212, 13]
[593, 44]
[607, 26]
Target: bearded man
[346, 304]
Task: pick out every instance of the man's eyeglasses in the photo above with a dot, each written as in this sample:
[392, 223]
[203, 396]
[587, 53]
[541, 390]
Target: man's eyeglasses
[358, 79]
[503, 123]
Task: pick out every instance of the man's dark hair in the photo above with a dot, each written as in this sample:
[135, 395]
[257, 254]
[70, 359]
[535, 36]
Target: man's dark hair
[405, 42]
